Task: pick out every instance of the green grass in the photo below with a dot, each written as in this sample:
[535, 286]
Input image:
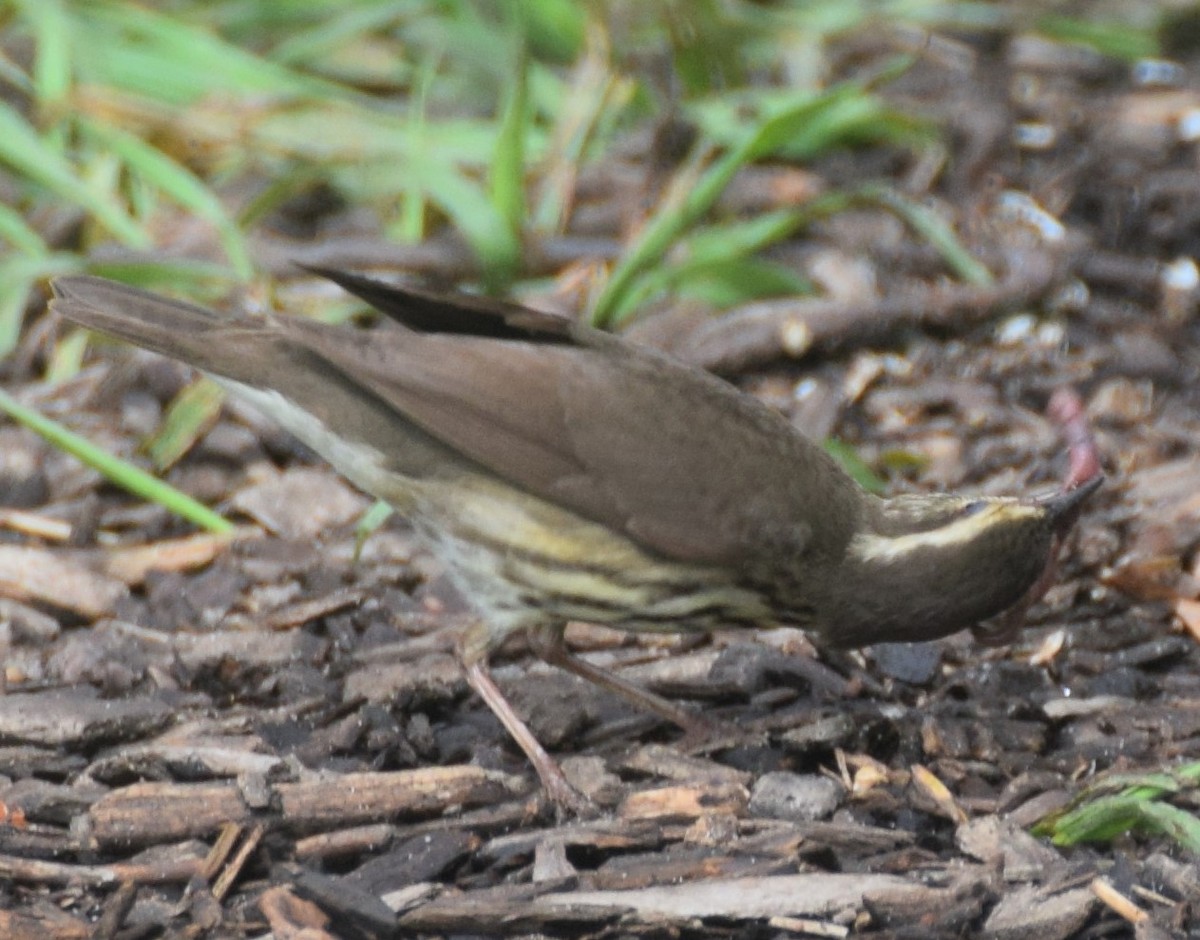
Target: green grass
[1127, 803]
[118, 471]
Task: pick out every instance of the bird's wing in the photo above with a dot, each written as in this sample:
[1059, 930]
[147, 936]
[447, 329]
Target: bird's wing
[680, 461]
[677, 459]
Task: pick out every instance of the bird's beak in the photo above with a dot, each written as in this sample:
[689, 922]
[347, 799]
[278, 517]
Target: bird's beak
[1064, 508]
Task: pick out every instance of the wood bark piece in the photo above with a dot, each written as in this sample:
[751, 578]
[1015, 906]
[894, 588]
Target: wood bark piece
[685, 802]
[234, 866]
[253, 649]
[663, 761]
[353, 841]
[296, 615]
[163, 871]
[42, 922]
[781, 794]
[45, 802]
[998, 841]
[367, 797]
[853, 838]
[680, 866]
[946, 910]
[145, 813]
[437, 676]
[199, 759]
[604, 835]
[130, 564]
[57, 579]
[418, 859]
[116, 908]
[29, 624]
[511, 909]
[517, 909]
[77, 718]
[22, 760]
[685, 675]
[1033, 912]
[20, 840]
[355, 911]
[301, 504]
[809, 895]
[761, 332]
[293, 918]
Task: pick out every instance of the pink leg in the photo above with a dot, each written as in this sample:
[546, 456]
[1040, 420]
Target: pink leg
[547, 643]
[553, 780]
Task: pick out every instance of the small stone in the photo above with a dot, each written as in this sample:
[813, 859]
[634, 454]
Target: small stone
[795, 797]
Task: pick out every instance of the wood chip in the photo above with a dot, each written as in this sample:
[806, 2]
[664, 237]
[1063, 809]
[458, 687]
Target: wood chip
[809, 927]
[1115, 901]
[616, 835]
[663, 761]
[357, 840]
[28, 623]
[132, 563]
[418, 859]
[998, 841]
[368, 797]
[181, 867]
[293, 918]
[35, 525]
[237, 862]
[232, 757]
[550, 865]
[937, 791]
[682, 866]
[296, 615]
[1188, 612]
[42, 921]
[256, 649]
[1032, 912]
[145, 813]
[807, 895]
[78, 717]
[355, 912]
[61, 580]
[799, 797]
[437, 676]
[685, 802]
[301, 504]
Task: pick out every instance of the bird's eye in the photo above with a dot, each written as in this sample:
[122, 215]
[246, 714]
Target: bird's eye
[974, 507]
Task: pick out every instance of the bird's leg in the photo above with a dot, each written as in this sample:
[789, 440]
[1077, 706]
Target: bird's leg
[473, 658]
[1083, 465]
[547, 642]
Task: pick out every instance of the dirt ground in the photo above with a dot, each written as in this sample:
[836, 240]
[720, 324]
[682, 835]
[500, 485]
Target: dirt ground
[212, 739]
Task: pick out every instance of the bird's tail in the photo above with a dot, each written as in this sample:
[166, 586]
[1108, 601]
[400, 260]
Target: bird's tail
[170, 327]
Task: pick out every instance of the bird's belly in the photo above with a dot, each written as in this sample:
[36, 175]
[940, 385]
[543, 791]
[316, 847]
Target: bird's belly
[521, 562]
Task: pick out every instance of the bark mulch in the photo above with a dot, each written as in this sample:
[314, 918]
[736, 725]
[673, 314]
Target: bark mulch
[229, 737]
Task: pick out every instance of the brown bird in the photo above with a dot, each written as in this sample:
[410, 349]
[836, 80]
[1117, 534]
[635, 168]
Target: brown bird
[565, 474]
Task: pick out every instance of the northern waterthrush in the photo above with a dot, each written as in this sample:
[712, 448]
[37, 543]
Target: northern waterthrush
[565, 474]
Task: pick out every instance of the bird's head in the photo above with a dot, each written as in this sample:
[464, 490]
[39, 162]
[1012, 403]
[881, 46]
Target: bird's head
[926, 566]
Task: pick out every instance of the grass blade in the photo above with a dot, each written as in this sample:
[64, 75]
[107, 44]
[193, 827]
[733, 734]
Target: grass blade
[121, 472]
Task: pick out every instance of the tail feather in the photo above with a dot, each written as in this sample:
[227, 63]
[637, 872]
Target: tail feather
[278, 366]
[169, 327]
[429, 311]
